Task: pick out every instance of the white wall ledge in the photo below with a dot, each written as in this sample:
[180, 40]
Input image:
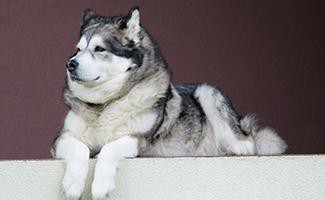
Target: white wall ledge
[202, 178]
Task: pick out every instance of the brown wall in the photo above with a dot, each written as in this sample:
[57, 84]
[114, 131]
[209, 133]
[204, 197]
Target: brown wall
[268, 56]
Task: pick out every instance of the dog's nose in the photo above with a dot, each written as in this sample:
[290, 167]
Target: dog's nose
[72, 65]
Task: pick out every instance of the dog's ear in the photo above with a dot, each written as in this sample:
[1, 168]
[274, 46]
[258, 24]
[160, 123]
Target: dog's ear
[87, 15]
[131, 24]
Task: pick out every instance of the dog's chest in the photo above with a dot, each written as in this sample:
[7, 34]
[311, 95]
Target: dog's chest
[116, 121]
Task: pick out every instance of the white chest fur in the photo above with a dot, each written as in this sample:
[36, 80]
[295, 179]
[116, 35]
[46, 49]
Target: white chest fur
[132, 114]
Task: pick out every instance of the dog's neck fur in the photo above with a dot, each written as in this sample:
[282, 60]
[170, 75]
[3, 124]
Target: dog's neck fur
[153, 87]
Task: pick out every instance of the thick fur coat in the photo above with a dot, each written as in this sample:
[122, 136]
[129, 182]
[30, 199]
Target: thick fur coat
[123, 104]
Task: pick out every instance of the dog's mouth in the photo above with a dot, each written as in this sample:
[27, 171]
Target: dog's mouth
[76, 78]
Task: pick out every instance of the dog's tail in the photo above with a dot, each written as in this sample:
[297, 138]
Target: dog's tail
[267, 141]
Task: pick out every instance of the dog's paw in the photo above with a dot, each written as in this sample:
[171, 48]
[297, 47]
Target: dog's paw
[73, 186]
[241, 147]
[101, 188]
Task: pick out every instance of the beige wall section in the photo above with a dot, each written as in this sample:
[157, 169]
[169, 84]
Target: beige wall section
[282, 177]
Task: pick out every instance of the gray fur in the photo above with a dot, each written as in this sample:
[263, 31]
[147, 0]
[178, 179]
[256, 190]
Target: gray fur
[182, 127]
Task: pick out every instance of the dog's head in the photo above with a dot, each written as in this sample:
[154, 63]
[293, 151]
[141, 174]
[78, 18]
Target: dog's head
[109, 52]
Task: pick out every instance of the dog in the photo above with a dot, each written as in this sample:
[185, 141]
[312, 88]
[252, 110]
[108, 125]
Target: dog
[122, 104]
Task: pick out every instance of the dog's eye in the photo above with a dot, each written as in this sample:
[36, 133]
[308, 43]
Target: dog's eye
[99, 49]
[78, 49]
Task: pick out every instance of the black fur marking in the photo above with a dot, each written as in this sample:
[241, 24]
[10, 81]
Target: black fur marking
[161, 104]
[190, 104]
[199, 107]
[192, 113]
[123, 24]
[118, 49]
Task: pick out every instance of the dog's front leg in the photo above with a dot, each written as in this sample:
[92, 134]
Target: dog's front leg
[108, 160]
[76, 155]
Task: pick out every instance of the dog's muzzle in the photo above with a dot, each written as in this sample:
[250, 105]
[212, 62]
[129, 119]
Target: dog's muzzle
[72, 66]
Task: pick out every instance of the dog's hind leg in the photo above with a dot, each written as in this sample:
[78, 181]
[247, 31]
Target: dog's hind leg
[223, 119]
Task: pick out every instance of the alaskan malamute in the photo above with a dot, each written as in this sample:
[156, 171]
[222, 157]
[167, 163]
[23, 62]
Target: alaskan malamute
[123, 104]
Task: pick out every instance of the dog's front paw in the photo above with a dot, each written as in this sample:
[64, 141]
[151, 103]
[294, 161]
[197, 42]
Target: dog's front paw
[101, 188]
[73, 186]
[241, 147]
